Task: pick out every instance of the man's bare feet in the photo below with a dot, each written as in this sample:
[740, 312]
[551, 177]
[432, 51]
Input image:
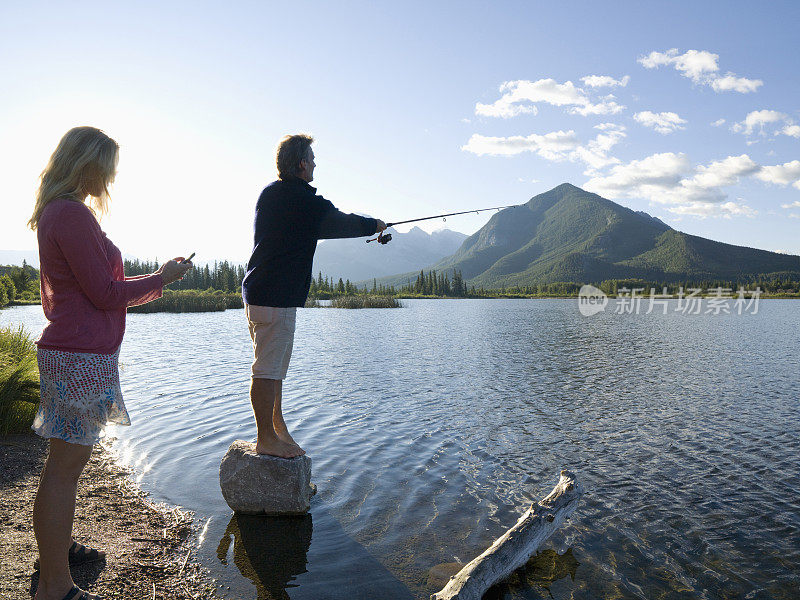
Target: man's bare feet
[283, 434]
[277, 447]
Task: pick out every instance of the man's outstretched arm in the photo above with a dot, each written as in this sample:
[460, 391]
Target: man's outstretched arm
[336, 224]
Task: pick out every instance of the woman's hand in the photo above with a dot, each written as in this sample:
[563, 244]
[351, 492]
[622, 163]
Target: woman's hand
[174, 269]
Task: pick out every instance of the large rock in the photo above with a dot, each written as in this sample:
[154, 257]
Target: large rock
[256, 484]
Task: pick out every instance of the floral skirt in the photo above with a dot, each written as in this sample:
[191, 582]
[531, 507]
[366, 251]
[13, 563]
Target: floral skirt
[80, 394]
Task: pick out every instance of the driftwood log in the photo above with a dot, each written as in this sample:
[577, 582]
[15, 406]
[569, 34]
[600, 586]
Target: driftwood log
[513, 549]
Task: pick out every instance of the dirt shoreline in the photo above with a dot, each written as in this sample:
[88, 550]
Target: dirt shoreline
[150, 547]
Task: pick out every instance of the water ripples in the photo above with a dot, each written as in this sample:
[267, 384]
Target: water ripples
[431, 428]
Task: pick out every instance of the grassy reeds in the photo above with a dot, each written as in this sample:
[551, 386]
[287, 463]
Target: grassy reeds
[367, 301]
[19, 380]
[234, 301]
[179, 301]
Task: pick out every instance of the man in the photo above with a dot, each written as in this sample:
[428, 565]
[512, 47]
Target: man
[290, 218]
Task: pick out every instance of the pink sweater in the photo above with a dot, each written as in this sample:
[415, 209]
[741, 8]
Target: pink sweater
[85, 293]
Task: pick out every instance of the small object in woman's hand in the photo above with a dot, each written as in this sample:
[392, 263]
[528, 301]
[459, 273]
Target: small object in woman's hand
[185, 260]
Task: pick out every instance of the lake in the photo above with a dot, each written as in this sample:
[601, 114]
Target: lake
[432, 428]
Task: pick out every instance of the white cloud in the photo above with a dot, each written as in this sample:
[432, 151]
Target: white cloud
[504, 109]
[718, 123]
[670, 179]
[781, 174]
[725, 172]
[595, 152]
[791, 130]
[664, 122]
[729, 82]
[757, 119]
[552, 146]
[694, 64]
[702, 68]
[657, 171]
[795, 204]
[709, 209]
[607, 126]
[520, 97]
[595, 81]
[606, 107]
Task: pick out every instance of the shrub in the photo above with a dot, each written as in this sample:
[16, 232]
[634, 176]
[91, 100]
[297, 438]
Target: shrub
[234, 301]
[28, 297]
[184, 301]
[11, 289]
[367, 301]
[19, 380]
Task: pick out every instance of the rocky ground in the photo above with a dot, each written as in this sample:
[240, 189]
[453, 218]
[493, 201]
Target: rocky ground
[149, 547]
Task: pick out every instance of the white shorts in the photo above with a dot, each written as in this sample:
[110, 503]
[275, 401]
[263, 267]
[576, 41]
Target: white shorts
[272, 332]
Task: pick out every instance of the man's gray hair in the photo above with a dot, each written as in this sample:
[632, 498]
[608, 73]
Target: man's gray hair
[291, 150]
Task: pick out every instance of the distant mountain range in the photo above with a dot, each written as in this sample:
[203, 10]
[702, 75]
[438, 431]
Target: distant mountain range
[571, 235]
[564, 235]
[348, 258]
[355, 260]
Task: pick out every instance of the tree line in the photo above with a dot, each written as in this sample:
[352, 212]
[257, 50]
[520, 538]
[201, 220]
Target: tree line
[452, 284]
[21, 284]
[438, 284]
[223, 276]
[772, 284]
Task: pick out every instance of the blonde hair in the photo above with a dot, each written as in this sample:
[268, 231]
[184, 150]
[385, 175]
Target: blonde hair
[83, 164]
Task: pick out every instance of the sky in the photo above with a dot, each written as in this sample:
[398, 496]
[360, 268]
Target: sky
[689, 111]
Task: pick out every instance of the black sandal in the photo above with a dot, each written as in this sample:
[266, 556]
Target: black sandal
[78, 555]
[77, 593]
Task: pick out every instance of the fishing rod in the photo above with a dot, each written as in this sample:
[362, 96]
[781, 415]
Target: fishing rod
[386, 238]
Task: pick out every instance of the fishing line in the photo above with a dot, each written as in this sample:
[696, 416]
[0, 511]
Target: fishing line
[386, 238]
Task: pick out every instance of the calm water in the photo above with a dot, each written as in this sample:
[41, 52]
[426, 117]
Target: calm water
[432, 427]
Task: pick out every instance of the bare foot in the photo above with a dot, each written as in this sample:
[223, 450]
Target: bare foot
[277, 447]
[283, 434]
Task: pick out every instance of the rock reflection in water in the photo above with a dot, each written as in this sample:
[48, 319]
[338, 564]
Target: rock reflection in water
[270, 551]
[548, 566]
[535, 578]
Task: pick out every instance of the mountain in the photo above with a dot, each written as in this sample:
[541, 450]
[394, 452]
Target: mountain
[569, 234]
[355, 260]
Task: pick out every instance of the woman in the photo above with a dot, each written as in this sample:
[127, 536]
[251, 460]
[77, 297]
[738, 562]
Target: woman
[85, 295]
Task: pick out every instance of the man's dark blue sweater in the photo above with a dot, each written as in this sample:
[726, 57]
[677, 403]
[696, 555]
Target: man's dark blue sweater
[290, 218]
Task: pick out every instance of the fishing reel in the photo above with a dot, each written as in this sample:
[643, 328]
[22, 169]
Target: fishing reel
[383, 238]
